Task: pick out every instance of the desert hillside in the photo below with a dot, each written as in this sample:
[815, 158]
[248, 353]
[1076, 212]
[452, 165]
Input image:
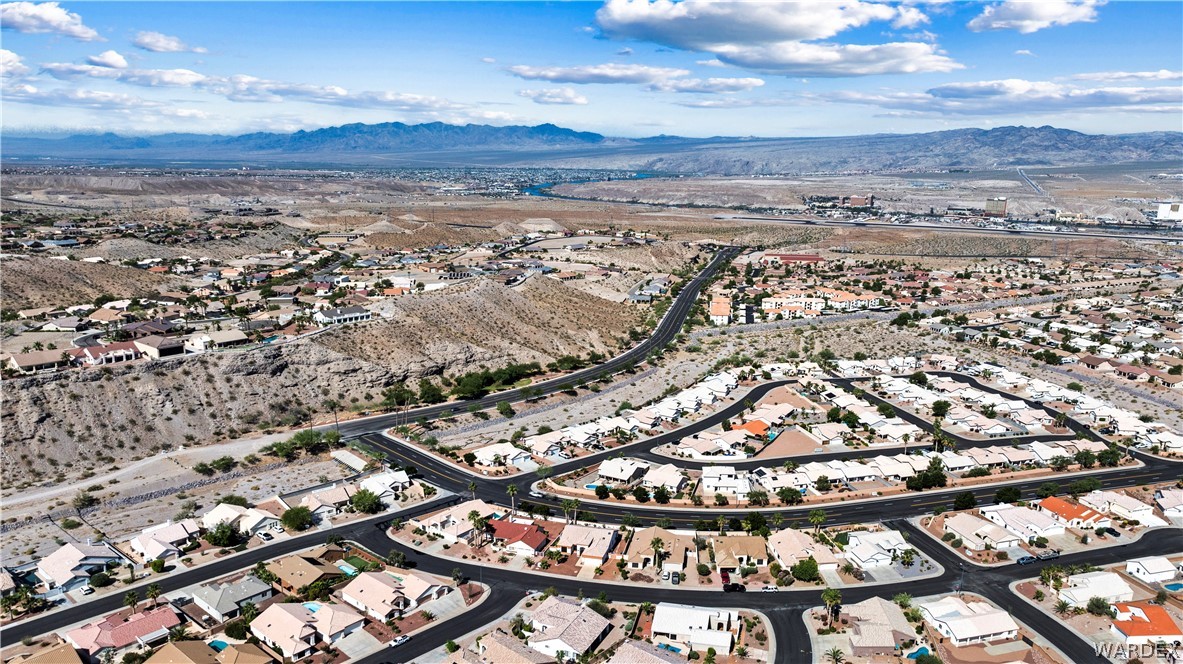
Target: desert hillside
[485, 323]
[36, 281]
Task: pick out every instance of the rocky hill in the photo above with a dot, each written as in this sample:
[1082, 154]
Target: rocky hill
[438, 144]
[485, 323]
[37, 281]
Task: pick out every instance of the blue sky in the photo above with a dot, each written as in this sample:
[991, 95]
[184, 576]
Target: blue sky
[619, 67]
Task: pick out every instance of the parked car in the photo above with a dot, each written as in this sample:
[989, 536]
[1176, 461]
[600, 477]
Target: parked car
[1026, 560]
[726, 577]
[769, 589]
[399, 641]
[87, 590]
[1048, 555]
[734, 588]
[266, 537]
[676, 579]
[665, 576]
[1112, 532]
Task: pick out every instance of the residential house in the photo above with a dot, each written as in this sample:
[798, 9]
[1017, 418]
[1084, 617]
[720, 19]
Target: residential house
[1151, 569]
[299, 570]
[225, 601]
[1073, 515]
[502, 648]
[500, 454]
[590, 545]
[1142, 623]
[387, 485]
[735, 551]
[978, 534]
[725, 480]
[878, 627]
[869, 549]
[790, 546]
[693, 627]
[294, 629]
[523, 539]
[566, 625]
[72, 564]
[1078, 589]
[969, 623]
[165, 540]
[666, 475]
[184, 652]
[453, 524]
[1170, 501]
[342, 315]
[1023, 521]
[38, 361]
[621, 471]
[1118, 504]
[117, 632]
[247, 520]
[377, 595]
[327, 503]
[640, 652]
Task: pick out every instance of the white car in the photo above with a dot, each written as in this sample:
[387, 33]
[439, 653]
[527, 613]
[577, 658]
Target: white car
[537, 494]
[769, 589]
[665, 576]
[399, 641]
[87, 590]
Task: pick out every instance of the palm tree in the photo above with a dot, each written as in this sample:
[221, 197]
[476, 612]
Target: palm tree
[131, 599]
[567, 505]
[816, 519]
[832, 598]
[720, 522]
[835, 655]
[333, 405]
[249, 612]
[776, 520]
[472, 488]
[152, 592]
[512, 490]
[1062, 607]
[179, 633]
[657, 545]
[575, 504]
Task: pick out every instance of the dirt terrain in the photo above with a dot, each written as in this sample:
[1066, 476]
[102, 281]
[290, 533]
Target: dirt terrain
[38, 281]
[485, 323]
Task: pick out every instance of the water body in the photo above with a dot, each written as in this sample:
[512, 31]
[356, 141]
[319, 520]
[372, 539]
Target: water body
[545, 189]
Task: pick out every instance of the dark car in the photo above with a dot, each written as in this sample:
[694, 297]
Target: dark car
[1026, 560]
[1112, 533]
[1049, 554]
[734, 588]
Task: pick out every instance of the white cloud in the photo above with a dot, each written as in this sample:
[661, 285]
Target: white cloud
[182, 78]
[1160, 75]
[713, 62]
[809, 59]
[558, 96]
[625, 51]
[909, 17]
[707, 85]
[1026, 16]
[605, 73]
[488, 60]
[110, 59]
[1018, 97]
[777, 37]
[161, 43]
[94, 99]
[45, 18]
[697, 25]
[11, 64]
[1023, 51]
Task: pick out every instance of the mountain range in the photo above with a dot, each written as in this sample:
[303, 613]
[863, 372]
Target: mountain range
[436, 144]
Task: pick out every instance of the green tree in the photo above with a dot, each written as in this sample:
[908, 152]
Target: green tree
[940, 408]
[131, 599]
[505, 410]
[297, 518]
[832, 598]
[806, 570]
[512, 492]
[222, 535]
[366, 502]
[658, 546]
[1008, 494]
[835, 655]
[816, 519]
[152, 593]
[964, 501]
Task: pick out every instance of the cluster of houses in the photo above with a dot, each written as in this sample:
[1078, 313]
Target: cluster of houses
[996, 415]
[1136, 337]
[1133, 622]
[554, 445]
[1007, 527]
[285, 630]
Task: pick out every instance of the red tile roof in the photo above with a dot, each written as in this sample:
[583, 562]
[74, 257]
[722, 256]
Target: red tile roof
[529, 534]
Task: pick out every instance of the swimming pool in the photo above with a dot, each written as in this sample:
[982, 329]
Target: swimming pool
[1174, 587]
[349, 570]
[218, 645]
[666, 646]
[312, 606]
[593, 486]
[918, 652]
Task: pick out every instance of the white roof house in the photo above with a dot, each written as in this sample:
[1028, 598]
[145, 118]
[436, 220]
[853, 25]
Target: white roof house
[976, 534]
[1170, 501]
[1151, 569]
[452, 524]
[165, 539]
[969, 623]
[388, 484]
[1080, 588]
[622, 470]
[696, 628]
[72, 564]
[725, 480]
[1023, 521]
[567, 625]
[868, 549]
[499, 454]
[247, 520]
[667, 475]
[1118, 504]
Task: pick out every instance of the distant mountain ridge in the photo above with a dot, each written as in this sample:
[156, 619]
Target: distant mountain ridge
[396, 144]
